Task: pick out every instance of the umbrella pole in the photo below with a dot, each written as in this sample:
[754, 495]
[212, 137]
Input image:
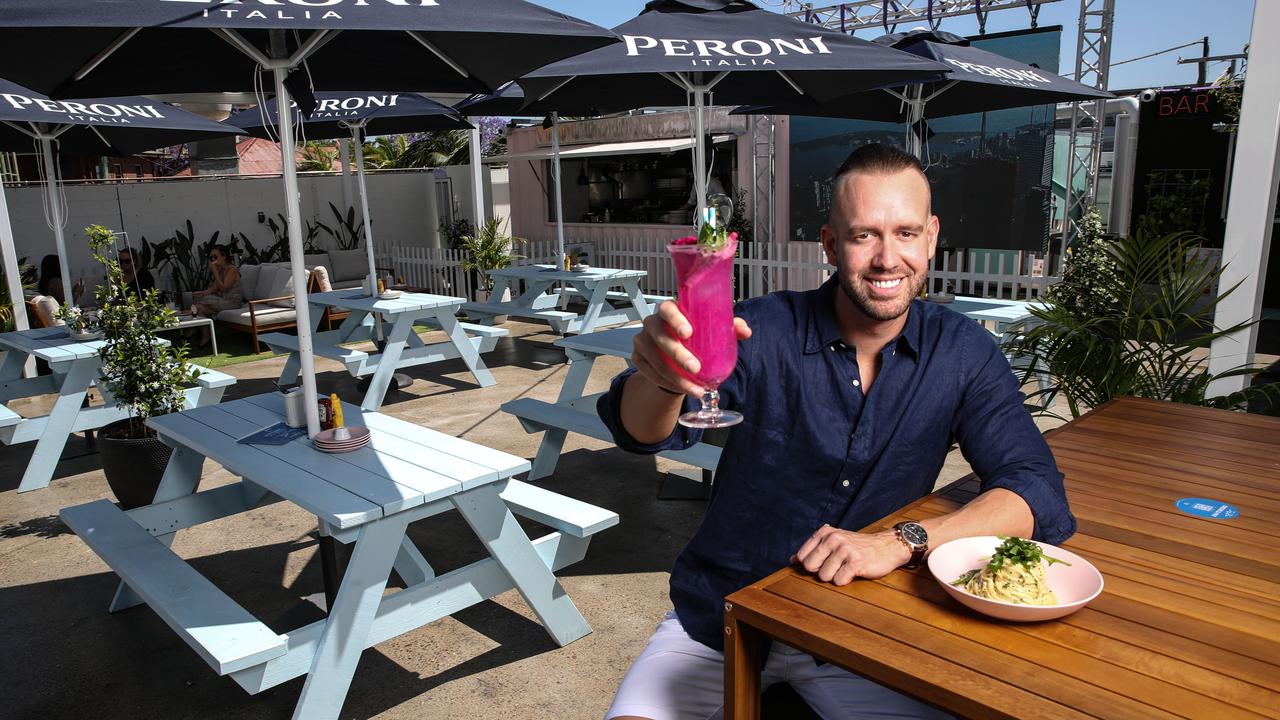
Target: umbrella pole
[364, 209]
[555, 179]
[12, 273]
[292, 212]
[51, 188]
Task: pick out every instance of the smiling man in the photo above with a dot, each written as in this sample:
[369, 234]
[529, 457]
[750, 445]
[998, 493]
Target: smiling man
[852, 394]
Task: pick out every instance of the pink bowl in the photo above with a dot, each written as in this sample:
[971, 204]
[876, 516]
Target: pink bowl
[1075, 585]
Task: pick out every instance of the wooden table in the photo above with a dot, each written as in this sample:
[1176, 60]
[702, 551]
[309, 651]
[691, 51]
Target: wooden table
[574, 411]
[367, 497]
[595, 284]
[75, 367]
[402, 347]
[1188, 624]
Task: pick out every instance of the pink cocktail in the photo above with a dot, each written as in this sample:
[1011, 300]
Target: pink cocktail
[705, 297]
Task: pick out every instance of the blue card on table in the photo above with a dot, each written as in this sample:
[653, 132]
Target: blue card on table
[277, 434]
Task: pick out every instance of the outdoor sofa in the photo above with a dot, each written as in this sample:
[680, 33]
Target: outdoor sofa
[268, 291]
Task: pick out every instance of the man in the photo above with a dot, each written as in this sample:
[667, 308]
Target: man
[820, 454]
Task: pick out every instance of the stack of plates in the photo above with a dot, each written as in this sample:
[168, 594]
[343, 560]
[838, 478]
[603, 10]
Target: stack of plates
[389, 295]
[325, 441]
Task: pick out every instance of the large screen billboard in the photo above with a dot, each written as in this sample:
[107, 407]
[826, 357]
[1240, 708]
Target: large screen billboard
[991, 173]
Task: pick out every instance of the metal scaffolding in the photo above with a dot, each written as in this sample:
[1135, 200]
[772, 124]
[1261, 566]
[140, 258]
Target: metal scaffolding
[887, 15]
[1093, 63]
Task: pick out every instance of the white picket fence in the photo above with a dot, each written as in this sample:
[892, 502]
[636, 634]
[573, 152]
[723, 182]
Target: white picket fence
[760, 268]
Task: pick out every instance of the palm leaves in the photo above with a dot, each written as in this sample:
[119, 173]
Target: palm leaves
[489, 249]
[1151, 342]
[432, 149]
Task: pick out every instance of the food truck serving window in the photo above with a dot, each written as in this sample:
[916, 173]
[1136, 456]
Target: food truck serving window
[639, 182]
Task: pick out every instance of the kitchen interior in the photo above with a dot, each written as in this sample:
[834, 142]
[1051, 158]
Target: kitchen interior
[649, 189]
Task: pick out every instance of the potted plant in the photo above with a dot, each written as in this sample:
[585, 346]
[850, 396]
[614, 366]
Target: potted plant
[1131, 316]
[140, 373]
[489, 249]
[81, 324]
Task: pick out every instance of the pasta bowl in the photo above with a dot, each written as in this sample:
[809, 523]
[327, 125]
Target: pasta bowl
[1075, 585]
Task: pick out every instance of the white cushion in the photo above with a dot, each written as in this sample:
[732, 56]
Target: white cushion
[281, 285]
[321, 276]
[46, 308]
[348, 265]
[266, 314]
[249, 280]
[319, 260]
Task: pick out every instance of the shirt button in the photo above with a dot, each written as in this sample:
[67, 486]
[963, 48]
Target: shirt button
[857, 384]
[845, 483]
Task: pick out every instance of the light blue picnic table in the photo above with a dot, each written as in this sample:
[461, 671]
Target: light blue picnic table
[75, 367]
[403, 348]
[575, 411]
[366, 498]
[541, 299]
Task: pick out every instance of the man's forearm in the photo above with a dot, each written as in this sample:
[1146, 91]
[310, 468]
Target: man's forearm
[995, 512]
[648, 413]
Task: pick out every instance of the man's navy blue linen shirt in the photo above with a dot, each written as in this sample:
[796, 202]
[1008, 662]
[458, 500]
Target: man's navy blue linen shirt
[814, 449]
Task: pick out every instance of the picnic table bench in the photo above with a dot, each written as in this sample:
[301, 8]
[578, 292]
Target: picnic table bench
[401, 348]
[367, 498]
[573, 411]
[76, 366]
[540, 299]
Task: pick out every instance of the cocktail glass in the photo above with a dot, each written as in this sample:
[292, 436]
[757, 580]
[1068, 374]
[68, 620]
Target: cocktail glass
[705, 296]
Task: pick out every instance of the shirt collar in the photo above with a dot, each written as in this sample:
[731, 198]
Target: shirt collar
[824, 329]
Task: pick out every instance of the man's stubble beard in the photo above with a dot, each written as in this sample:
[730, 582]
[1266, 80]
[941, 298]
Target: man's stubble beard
[880, 312]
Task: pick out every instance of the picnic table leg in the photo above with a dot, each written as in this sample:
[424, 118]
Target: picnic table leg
[640, 307]
[467, 351]
[350, 618]
[390, 357]
[14, 362]
[292, 366]
[595, 304]
[181, 477]
[71, 394]
[501, 535]
[575, 384]
[410, 565]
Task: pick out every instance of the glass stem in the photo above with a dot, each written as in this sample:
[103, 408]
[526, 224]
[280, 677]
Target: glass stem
[711, 403]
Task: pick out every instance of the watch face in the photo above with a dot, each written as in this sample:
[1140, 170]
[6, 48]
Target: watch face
[915, 534]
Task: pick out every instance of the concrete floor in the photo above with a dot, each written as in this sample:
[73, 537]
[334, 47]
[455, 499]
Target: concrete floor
[64, 656]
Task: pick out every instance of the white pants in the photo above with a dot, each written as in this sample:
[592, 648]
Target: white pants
[679, 678]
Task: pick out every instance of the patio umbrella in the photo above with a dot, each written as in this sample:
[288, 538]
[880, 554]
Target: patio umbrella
[145, 46]
[101, 126]
[979, 81]
[680, 48]
[358, 115]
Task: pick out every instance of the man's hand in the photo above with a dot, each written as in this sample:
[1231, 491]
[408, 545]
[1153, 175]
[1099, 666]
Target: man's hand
[657, 350]
[838, 556]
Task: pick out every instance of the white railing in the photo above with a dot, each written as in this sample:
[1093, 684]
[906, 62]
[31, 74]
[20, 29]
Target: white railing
[760, 268]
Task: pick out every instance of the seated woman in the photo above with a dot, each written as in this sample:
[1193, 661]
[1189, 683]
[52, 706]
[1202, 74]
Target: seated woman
[223, 293]
[51, 281]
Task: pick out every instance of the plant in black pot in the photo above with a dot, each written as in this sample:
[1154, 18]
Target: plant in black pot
[140, 373]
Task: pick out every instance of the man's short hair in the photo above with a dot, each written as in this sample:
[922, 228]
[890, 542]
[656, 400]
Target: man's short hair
[877, 159]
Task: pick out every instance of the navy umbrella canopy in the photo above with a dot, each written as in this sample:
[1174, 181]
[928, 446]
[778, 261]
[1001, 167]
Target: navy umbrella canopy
[765, 57]
[990, 82]
[727, 50]
[114, 47]
[358, 115]
[978, 81]
[337, 112]
[99, 126]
